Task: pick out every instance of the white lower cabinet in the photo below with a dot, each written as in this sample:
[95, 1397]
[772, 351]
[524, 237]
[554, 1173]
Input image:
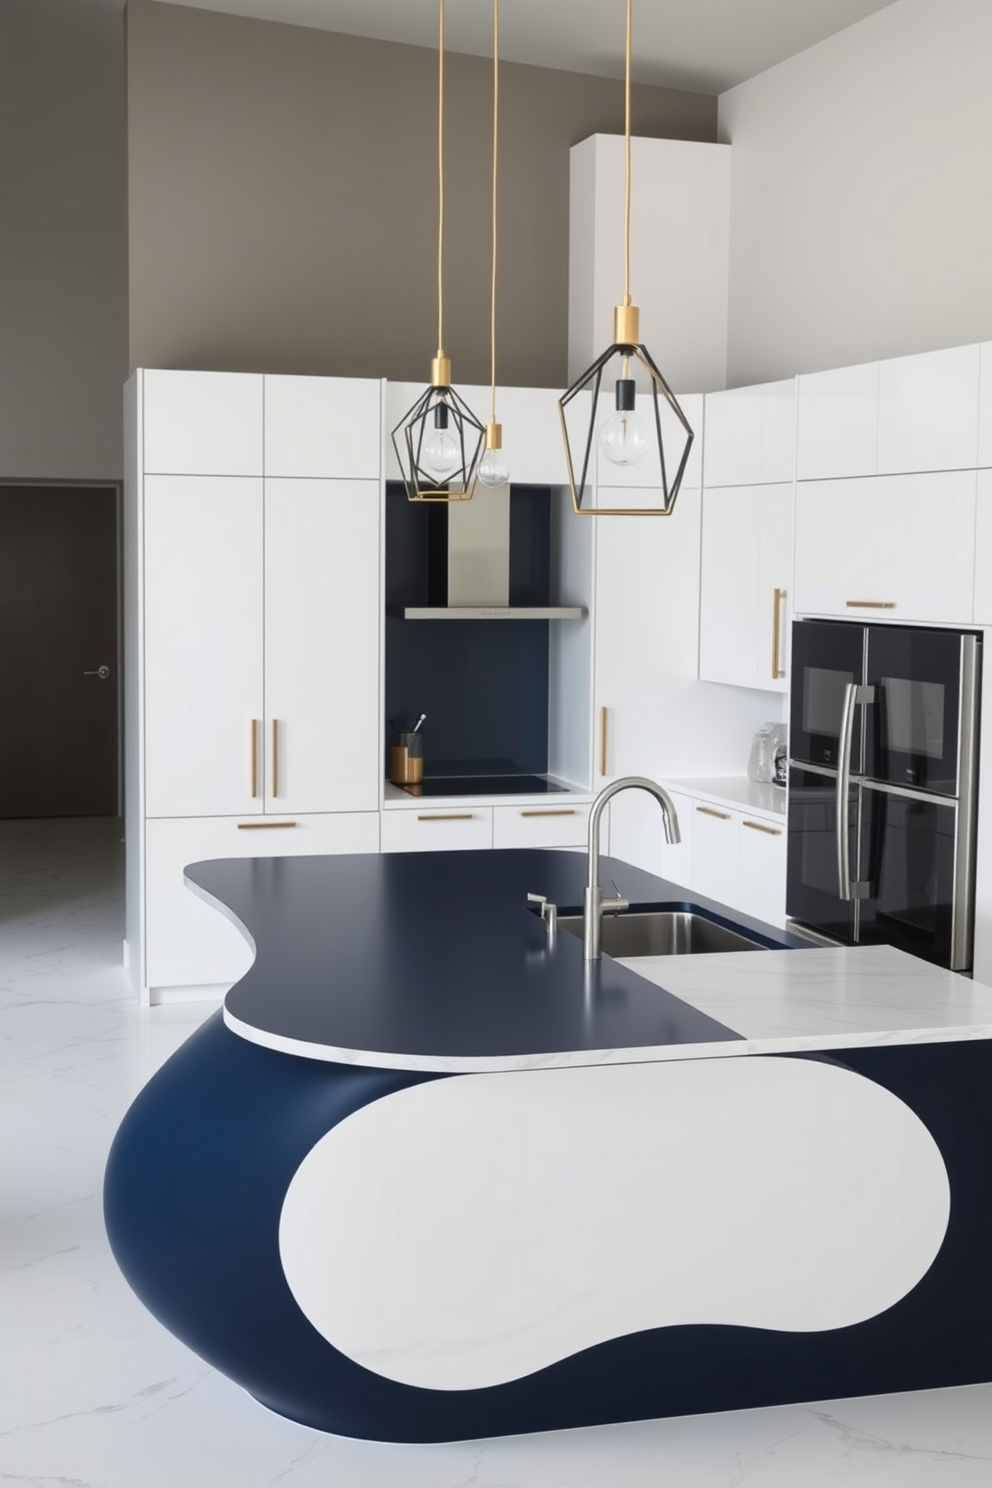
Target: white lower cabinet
[446, 829]
[762, 870]
[189, 943]
[715, 853]
[540, 826]
[675, 859]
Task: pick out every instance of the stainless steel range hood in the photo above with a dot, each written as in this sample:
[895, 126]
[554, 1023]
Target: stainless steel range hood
[471, 565]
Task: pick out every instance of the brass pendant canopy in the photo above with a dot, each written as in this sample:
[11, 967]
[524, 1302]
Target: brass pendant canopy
[646, 426]
[439, 441]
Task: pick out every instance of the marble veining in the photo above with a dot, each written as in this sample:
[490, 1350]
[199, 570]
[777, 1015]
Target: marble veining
[95, 1394]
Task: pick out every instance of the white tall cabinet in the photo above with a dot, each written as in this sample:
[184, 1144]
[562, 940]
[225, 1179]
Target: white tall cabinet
[253, 616]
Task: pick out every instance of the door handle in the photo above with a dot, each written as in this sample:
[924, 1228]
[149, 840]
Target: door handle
[853, 695]
[778, 604]
[103, 672]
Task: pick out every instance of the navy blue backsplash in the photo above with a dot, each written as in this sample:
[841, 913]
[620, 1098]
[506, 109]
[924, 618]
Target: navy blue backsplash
[482, 683]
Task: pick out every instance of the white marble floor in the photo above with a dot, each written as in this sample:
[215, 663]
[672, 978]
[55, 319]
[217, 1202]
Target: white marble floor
[95, 1394]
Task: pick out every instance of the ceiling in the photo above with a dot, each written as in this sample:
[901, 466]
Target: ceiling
[706, 46]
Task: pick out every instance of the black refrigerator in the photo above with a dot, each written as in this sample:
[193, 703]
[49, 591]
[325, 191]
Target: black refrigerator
[883, 745]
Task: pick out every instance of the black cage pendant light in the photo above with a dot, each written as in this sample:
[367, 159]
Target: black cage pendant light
[439, 442]
[627, 435]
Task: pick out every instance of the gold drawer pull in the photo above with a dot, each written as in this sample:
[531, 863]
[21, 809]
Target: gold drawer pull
[275, 758]
[778, 599]
[870, 604]
[712, 811]
[562, 811]
[263, 826]
[452, 816]
[760, 827]
[253, 767]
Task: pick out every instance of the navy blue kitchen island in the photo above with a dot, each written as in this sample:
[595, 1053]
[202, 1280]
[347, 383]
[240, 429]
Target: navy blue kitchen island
[429, 1175]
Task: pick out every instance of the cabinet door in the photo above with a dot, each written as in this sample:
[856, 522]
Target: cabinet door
[715, 853]
[983, 549]
[322, 617]
[985, 406]
[445, 829]
[202, 645]
[323, 426]
[928, 411]
[897, 547]
[189, 942]
[778, 431]
[762, 848]
[837, 423]
[730, 576]
[732, 453]
[674, 860]
[532, 435]
[540, 826]
[773, 618]
[202, 423]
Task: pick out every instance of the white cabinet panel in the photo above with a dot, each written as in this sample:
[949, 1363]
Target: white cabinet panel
[446, 829]
[532, 438]
[322, 617]
[323, 426]
[203, 644]
[540, 826]
[733, 437]
[746, 576]
[985, 406]
[773, 626]
[778, 430]
[928, 411]
[716, 853]
[837, 423]
[983, 549]
[191, 942]
[202, 423]
[762, 848]
[897, 547]
[674, 860]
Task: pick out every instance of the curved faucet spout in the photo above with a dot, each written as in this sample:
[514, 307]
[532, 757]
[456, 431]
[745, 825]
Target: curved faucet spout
[592, 929]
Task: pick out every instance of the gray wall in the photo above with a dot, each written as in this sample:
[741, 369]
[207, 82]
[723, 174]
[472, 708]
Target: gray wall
[283, 199]
[63, 239]
[861, 212]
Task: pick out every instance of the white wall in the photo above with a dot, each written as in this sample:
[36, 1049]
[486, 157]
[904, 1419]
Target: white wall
[679, 247]
[861, 199]
[63, 239]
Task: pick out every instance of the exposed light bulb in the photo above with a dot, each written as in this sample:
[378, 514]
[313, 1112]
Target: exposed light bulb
[494, 469]
[440, 453]
[622, 437]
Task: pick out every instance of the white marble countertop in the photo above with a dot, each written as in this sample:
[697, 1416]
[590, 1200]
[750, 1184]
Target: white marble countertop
[735, 791]
[845, 997]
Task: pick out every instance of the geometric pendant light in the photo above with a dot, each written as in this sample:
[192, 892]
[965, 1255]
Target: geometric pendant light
[439, 442]
[628, 434]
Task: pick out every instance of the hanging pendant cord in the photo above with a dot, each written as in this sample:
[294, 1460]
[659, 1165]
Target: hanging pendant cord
[626, 202]
[440, 178]
[492, 302]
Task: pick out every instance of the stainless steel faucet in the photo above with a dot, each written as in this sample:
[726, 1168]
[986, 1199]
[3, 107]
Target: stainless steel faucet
[595, 904]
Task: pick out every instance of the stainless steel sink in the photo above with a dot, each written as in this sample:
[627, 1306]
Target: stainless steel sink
[666, 932]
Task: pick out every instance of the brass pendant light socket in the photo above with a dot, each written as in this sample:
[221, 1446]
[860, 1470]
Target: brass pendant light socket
[440, 371]
[626, 325]
[494, 435]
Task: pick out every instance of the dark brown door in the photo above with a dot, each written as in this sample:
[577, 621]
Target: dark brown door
[58, 651]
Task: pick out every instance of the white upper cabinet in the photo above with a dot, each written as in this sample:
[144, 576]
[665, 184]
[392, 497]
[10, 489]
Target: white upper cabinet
[745, 583]
[202, 423]
[751, 435]
[928, 411]
[898, 547]
[837, 423]
[323, 426]
[985, 406]
[532, 439]
[322, 619]
[203, 645]
[983, 549]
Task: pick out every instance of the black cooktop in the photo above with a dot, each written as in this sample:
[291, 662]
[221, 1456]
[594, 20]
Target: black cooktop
[483, 785]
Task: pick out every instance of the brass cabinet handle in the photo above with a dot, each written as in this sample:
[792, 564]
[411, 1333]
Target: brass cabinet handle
[564, 811]
[712, 811]
[451, 816]
[275, 757]
[263, 826]
[603, 717]
[778, 600]
[254, 759]
[870, 604]
[760, 827]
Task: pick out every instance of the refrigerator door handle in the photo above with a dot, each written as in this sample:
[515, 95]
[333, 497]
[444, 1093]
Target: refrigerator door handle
[853, 695]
